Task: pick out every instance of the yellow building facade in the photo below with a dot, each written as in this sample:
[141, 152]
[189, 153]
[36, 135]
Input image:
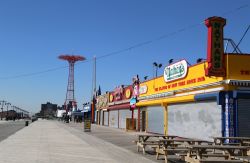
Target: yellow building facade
[210, 98]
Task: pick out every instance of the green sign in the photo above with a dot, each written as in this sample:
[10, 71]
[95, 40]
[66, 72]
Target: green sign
[175, 71]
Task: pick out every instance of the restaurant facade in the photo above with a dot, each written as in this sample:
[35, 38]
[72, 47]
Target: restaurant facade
[102, 115]
[205, 100]
[113, 108]
[210, 98]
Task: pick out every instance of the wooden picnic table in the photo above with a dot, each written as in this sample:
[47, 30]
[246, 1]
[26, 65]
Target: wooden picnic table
[175, 145]
[145, 137]
[150, 140]
[239, 140]
[176, 142]
[242, 158]
[197, 152]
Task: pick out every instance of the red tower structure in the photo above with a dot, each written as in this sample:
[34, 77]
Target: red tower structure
[70, 97]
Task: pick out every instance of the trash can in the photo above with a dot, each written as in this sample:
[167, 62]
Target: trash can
[26, 123]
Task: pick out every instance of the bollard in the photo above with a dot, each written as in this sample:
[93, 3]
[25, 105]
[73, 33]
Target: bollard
[26, 123]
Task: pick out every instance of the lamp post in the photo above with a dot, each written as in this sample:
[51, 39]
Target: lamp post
[156, 65]
[170, 61]
[2, 103]
[7, 112]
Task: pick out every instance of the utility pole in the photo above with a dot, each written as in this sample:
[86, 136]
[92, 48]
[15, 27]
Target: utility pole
[93, 92]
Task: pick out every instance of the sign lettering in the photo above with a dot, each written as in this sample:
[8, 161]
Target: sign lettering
[215, 49]
[180, 83]
[245, 72]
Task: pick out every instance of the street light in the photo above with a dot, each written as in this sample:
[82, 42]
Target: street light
[156, 65]
[170, 61]
[7, 113]
[199, 60]
[2, 103]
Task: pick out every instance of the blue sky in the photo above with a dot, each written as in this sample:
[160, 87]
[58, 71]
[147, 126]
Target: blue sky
[33, 33]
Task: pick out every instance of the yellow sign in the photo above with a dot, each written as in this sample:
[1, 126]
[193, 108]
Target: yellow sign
[111, 98]
[87, 124]
[195, 77]
[238, 66]
[128, 93]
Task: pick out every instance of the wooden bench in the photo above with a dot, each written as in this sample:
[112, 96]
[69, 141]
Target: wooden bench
[151, 140]
[205, 155]
[166, 151]
[240, 140]
[242, 158]
[214, 160]
[144, 144]
[197, 153]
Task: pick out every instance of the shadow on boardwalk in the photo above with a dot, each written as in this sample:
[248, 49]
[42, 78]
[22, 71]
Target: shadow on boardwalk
[118, 137]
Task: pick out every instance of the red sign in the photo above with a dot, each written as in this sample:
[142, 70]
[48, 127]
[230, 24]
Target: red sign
[215, 49]
[118, 93]
[180, 83]
[245, 72]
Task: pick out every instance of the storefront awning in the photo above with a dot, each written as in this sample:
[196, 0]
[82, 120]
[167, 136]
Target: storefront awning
[245, 83]
[165, 101]
[121, 106]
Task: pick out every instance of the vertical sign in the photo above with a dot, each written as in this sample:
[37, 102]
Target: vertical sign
[215, 47]
[136, 88]
[87, 125]
[229, 117]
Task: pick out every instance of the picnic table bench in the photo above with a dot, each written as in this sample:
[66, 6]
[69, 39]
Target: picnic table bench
[145, 137]
[197, 153]
[151, 140]
[238, 141]
[232, 140]
[242, 158]
[246, 143]
[177, 145]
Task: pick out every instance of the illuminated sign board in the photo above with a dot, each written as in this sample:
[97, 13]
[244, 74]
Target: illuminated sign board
[175, 71]
[215, 49]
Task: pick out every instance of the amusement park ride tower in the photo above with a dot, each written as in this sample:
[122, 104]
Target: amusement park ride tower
[70, 97]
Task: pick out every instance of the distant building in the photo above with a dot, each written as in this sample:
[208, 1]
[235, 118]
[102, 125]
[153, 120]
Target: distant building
[12, 115]
[48, 110]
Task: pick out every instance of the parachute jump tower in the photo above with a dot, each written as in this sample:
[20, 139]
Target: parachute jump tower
[72, 59]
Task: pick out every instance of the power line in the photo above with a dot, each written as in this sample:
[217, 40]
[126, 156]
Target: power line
[39, 72]
[138, 45]
[241, 39]
[34, 73]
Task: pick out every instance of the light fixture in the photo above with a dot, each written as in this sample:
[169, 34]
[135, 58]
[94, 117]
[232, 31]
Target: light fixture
[170, 61]
[199, 60]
